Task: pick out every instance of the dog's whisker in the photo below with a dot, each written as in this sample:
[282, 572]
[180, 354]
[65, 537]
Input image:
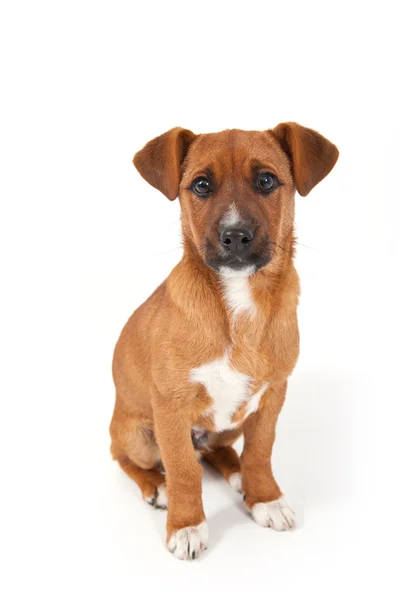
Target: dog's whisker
[168, 251]
[304, 246]
[278, 246]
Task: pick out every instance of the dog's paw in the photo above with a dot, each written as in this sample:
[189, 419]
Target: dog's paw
[277, 514]
[235, 480]
[159, 499]
[189, 542]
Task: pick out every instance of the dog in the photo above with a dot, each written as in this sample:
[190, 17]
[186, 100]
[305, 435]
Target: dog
[207, 357]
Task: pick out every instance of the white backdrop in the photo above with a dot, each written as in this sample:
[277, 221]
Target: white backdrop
[84, 241]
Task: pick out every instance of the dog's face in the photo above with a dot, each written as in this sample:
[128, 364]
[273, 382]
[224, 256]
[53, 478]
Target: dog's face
[237, 188]
[236, 195]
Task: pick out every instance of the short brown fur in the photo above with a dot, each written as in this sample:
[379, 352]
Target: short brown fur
[186, 323]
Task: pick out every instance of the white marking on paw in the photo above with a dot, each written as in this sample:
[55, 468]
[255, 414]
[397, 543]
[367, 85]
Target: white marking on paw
[277, 514]
[189, 542]
[162, 497]
[235, 481]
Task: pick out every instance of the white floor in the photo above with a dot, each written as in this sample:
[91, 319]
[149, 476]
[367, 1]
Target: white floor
[82, 530]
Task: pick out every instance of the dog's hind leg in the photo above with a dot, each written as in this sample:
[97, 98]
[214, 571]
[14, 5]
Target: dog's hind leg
[150, 481]
[135, 449]
[226, 460]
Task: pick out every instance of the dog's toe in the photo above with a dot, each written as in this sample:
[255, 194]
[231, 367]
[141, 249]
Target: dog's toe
[235, 480]
[150, 500]
[162, 497]
[277, 514]
[189, 542]
[157, 496]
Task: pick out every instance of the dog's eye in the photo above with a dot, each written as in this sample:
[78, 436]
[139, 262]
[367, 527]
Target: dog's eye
[266, 182]
[201, 186]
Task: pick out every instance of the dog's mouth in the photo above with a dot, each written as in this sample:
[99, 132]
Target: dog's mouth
[252, 261]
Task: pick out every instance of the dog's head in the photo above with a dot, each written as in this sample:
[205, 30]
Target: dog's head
[237, 188]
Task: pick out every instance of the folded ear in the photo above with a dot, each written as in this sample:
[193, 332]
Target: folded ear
[160, 161]
[312, 155]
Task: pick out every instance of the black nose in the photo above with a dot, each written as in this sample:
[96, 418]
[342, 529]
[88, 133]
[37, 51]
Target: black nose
[236, 241]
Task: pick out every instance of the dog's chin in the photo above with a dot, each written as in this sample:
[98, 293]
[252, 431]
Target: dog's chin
[245, 266]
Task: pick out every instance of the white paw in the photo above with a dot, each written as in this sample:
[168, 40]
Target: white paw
[189, 542]
[162, 497]
[276, 514]
[235, 481]
[160, 500]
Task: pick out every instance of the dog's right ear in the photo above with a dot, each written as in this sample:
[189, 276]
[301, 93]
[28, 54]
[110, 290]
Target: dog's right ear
[160, 161]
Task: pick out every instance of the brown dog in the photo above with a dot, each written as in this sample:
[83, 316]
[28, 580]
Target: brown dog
[206, 358]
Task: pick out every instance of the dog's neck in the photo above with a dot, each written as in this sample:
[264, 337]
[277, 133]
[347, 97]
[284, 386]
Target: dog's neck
[228, 293]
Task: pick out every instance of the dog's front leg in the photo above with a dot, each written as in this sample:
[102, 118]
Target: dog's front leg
[187, 530]
[262, 494]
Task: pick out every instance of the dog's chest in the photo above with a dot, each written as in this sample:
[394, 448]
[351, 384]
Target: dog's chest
[229, 390]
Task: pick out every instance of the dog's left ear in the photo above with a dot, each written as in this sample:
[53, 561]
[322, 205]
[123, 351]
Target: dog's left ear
[312, 155]
[160, 161]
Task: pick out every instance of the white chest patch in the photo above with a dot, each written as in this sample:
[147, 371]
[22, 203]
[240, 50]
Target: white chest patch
[228, 389]
[237, 291]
